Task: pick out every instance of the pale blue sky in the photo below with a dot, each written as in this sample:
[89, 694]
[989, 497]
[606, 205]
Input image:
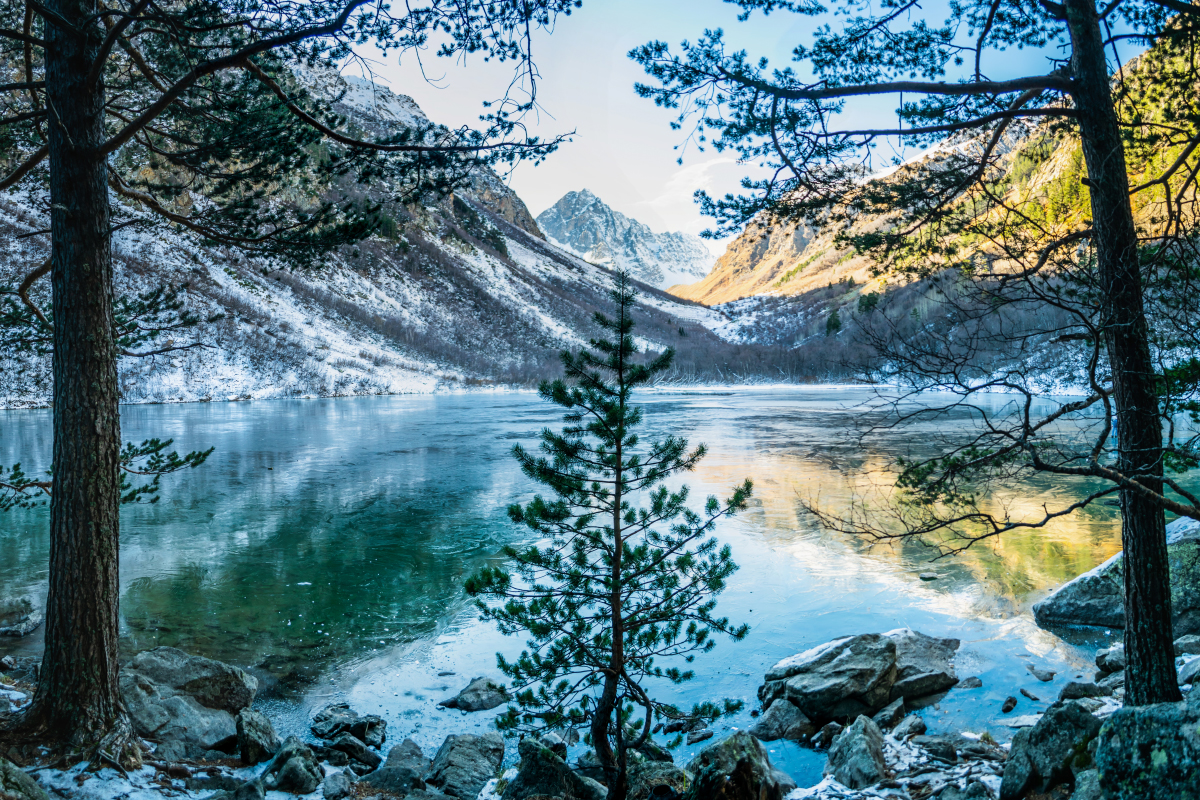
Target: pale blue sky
[624, 148]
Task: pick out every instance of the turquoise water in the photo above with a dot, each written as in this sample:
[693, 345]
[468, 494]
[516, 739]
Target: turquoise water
[325, 544]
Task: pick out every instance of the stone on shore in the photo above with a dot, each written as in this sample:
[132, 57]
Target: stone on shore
[856, 756]
[737, 768]
[782, 720]
[1189, 644]
[18, 617]
[1043, 756]
[464, 763]
[183, 701]
[890, 716]
[256, 737]
[337, 786]
[16, 783]
[644, 777]
[408, 754]
[1077, 690]
[396, 781]
[912, 725]
[294, 769]
[353, 746]
[543, 774]
[923, 664]
[1151, 752]
[481, 694]
[337, 719]
[1189, 672]
[1111, 659]
[1097, 597]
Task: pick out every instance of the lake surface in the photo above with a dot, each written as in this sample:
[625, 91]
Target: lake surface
[325, 544]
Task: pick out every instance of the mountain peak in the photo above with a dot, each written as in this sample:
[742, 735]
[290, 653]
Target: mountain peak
[582, 223]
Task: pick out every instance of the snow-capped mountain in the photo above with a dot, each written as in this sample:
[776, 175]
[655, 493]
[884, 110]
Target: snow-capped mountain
[458, 292]
[582, 224]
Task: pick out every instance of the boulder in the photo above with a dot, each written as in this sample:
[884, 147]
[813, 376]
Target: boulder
[18, 617]
[255, 737]
[543, 773]
[15, 783]
[353, 747]
[912, 725]
[645, 777]
[1189, 644]
[408, 754]
[177, 721]
[1189, 672]
[294, 769]
[481, 694]
[334, 720]
[891, 715]
[1111, 659]
[1087, 786]
[337, 786]
[1097, 597]
[464, 763]
[826, 735]
[782, 720]
[736, 768]
[922, 664]
[212, 683]
[1151, 752]
[397, 781]
[1043, 756]
[1076, 690]
[856, 756]
[838, 680]
[247, 790]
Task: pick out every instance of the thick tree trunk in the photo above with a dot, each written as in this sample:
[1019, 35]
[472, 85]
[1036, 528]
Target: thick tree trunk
[77, 704]
[1148, 641]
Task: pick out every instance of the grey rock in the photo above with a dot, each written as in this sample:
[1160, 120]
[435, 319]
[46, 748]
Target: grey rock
[1009, 704]
[782, 720]
[248, 790]
[1097, 597]
[923, 664]
[1079, 689]
[16, 783]
[841, 679]
[161, 714]
[1031, 695]
[337, 786]
[1087, 786]
[398, 781]
[256, 737]
[464, 763]
[481, 694]
[827, 734]
[542, 773]
[856, 756]
[294, 769]
[952, 747]
[1089, 704]
[212, 683]
[683, 725]
[970, 683]
[1111, 659]
[589, 766]
[1113, 681]
[1043, 675]
[912, 725]
[334, 720]
[737, 768]
[1042, 756]
[353, 747]
[1189, 644]
[334, 758]
[975, 790]
[699, 736]
[18, 617]
[408, 754]
[1151, 752]
[1189, 672]
[891, 715]
[645, 777]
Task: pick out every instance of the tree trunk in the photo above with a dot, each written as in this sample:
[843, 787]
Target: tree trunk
[1149, 651]
[78, 705]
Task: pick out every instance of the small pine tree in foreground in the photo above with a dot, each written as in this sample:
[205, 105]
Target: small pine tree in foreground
[612, 588]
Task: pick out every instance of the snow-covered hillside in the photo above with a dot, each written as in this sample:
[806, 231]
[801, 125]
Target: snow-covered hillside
[461, 292]
[581, 223]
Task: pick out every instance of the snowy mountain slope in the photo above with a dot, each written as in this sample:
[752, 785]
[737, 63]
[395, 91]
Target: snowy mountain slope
[463, 292]
[582, 224]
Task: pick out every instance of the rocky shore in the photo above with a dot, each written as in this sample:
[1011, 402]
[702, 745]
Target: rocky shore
[861, 699]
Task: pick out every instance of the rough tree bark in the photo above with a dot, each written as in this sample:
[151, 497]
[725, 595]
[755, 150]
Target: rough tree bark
[1148, 640]
[77, 706]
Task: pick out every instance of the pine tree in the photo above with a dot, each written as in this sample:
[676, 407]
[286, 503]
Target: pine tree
[611, 588]
[833, 323]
